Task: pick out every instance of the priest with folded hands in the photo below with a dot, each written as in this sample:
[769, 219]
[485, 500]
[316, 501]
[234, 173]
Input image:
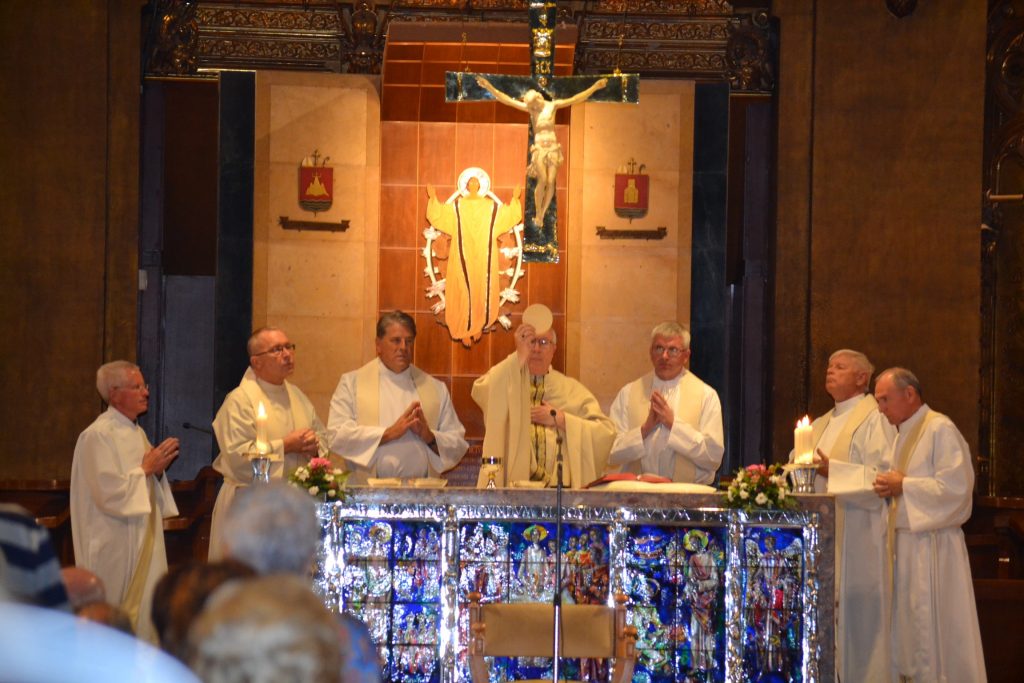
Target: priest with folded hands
[669, 421]
[389, 419]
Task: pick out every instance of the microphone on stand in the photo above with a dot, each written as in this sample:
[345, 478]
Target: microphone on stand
[557, 599]
[204, 430]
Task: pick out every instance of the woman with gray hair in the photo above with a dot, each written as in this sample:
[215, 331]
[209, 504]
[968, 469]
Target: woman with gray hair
[273, 528]
[272, 629]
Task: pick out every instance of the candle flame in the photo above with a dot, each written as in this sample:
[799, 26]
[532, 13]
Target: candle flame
[805, 421]
[261, 412]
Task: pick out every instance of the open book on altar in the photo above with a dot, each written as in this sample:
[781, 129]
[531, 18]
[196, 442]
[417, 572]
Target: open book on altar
[652, 483]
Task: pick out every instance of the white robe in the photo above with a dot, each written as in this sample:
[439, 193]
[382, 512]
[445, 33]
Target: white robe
[702, 442]
[862, 601]
[110, 508]
[935, 634]
[287, 409]
[356, 435]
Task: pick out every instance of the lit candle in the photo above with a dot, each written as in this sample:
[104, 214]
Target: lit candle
[262, 445]
[803, 442]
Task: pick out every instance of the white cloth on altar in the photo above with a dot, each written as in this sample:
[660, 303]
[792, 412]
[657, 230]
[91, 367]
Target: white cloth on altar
[862, 609]
[405, 457]
[703, 443]
[287, 409]
[110, 509]
[935, 633]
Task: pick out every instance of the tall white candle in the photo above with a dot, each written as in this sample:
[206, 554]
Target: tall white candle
[262, 445]
[803, 442]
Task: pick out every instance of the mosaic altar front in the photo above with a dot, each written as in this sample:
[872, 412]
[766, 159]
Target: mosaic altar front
[716, 595]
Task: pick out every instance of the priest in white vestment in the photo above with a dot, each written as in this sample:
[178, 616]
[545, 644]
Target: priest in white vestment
[850, 441]
[929, 484]
[120, 497]
[391, 419]
[527, 406]
[669, 422]
[294, 433]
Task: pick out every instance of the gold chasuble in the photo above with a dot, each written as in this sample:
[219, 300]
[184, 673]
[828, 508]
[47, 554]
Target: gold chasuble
[687, 409]
[504, 394]
[473, 280]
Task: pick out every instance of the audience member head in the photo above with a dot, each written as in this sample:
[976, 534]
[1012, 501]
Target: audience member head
[122, 386]
[83, 587]
[271, 355]
[180, 595]
[670, 349]
[108, 615]
[273, 528]
[898, 393]
[360, 661]
[29, 567]
[396, 335]
[265, 630]
[848, 374]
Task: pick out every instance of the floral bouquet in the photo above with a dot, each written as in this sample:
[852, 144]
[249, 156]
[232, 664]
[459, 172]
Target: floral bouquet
[319, 478]
[759, 487]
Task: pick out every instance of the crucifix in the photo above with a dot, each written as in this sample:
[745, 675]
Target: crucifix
[541, 95]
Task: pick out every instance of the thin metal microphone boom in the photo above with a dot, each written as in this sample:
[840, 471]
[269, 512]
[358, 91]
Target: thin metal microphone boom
[557, 599]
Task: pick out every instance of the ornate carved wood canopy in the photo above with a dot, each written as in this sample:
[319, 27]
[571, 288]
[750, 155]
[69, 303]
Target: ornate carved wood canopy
[697, 39]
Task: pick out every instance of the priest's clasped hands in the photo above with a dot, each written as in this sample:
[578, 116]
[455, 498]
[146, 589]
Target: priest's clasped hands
[660, 413]
[160, 457]
[888, 484]
[302, 441]
[412, 420]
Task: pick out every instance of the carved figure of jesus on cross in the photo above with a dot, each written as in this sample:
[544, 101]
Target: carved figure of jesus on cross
[540, 96]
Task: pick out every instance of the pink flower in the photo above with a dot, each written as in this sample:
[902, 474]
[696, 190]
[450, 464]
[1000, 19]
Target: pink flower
[320, 462]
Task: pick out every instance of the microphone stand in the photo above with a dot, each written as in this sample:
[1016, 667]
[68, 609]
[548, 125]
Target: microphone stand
[557, 599]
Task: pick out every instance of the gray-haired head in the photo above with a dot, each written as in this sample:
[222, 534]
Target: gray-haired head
[112, 374]
[252, 345]
[903, 378]
[273, 528]
[859, 360]
[270, 628]
[395, 318]
[670, 328]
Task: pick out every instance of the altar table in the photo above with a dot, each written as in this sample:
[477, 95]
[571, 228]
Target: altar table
[716, 594]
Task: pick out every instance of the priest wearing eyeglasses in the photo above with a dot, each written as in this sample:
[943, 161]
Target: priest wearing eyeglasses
[669, 422]
[528, 405]
[120, 496]
[293, 432]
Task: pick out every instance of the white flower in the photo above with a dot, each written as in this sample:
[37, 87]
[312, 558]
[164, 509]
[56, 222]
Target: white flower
[731, 495]
[744, 495]
[313, 490]
[778, 480]
[740, 475]
[331, 493]
[338, 471]
[302, 474]
[782, 493]
[761, 499]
